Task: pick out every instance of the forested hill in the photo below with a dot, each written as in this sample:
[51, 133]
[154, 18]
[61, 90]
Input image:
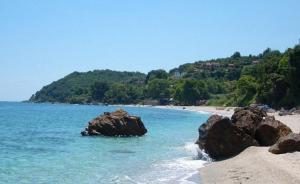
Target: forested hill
[271, 78]
[76, 87]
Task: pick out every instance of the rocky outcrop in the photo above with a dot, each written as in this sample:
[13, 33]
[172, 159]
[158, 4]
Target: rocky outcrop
[248, 118]
[270, 130]
[118, 123]
[220, 138]
[285, 144]
[297, 111]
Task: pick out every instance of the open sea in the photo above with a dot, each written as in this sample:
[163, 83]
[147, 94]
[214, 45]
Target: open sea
[41, 143]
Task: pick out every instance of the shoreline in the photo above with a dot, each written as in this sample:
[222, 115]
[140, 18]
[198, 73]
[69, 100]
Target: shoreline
[254, 164]
[223, 111]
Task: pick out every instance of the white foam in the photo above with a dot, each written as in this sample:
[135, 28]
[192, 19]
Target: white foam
[182, 109]
[124, 179]
[191, 148]
[196, 152]
[187, 178]
[182, 170]
[179, 171]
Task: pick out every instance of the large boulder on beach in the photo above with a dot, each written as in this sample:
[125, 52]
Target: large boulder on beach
[285, 144]
[248, 119]
[220, 138]
[270, 130]
[118, 123]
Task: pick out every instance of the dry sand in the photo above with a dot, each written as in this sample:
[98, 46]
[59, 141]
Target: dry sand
[224, 111]
[255, 165]
[293, 121]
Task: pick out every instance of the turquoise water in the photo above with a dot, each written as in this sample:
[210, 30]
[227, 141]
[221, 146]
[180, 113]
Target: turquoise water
[41, 143]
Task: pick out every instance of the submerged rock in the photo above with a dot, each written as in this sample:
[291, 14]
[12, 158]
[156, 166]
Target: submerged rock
[270, 130]
[220, 138]
[285, 144]
[118, 123]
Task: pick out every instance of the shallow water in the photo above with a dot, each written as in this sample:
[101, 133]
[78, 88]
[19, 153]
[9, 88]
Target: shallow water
[41, 143]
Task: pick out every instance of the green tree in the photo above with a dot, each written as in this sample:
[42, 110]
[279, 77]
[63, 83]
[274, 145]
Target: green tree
[123, 94]
[246, 89]
[189, 92]
[267, 75]
[294, 62]
[117, 94]
[156, 74]
[214, 86]
[158, 88]
[98, 89]
[236, 55]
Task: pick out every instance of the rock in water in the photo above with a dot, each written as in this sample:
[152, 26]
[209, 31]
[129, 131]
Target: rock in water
[248, 118]
[270, 130]
[118, 123]
[285, 144]
[220, 138]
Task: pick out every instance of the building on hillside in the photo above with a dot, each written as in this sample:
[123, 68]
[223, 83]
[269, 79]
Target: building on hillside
[231, 66]
[210, 65]
[177, 74]
[255, 62]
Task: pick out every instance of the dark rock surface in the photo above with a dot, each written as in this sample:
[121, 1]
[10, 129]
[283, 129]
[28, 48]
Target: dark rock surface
[284, 112]
[222, 139]
[285, 144]
[118, 123]
[248, 118]
[270, 130]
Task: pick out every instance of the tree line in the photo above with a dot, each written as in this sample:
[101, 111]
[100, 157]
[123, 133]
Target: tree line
[271, 78]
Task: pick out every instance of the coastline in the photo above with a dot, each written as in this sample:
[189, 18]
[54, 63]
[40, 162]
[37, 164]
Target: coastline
[254, 164]
[223, 111]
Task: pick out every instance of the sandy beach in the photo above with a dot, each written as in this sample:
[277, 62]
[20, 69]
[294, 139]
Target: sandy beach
[224, 111]
[255, 164]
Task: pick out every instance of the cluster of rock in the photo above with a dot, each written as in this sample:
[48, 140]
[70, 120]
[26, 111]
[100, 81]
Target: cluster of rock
[222, 137]
[118, 123]
[281, 112]
[284, 112]
[288, 143]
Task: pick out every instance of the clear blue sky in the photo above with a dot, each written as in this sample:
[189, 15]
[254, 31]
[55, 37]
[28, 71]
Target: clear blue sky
[42, 41]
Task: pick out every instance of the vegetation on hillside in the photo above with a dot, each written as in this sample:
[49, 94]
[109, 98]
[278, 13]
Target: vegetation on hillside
[92, 86]
[271, 78]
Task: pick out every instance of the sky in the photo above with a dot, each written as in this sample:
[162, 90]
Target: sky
[42, 41]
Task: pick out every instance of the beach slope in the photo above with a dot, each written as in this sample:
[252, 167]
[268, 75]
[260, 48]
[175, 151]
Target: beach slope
[257, 165]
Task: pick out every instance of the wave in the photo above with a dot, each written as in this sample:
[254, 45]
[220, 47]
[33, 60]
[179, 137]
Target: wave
[197, 152]
[183, 170]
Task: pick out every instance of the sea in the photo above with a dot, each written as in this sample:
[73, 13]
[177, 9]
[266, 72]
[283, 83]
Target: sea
[41, 144]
